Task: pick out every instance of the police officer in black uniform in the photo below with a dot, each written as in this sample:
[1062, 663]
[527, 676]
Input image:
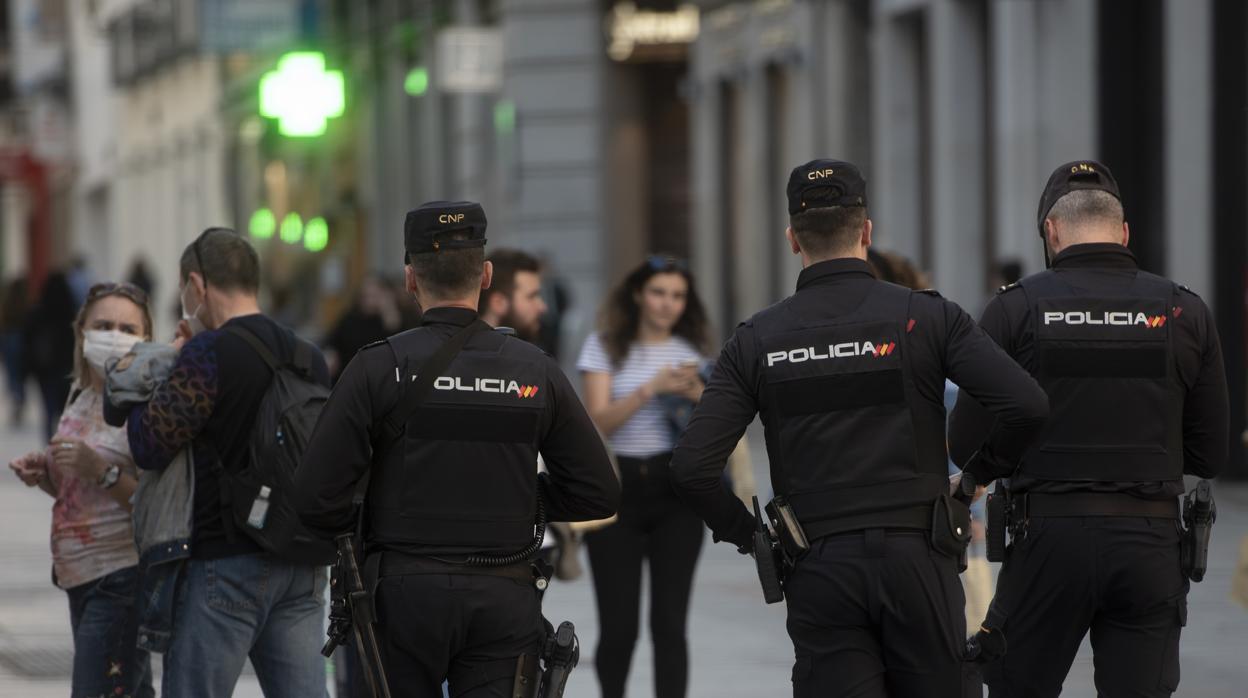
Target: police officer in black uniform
[459, 478]
[1133, 370]
[848, 374]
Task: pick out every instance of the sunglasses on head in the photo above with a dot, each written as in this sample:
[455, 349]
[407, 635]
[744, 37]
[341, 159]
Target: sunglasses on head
[659, 262]
[124, 289]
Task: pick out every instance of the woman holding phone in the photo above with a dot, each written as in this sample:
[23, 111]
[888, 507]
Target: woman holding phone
[641, 372]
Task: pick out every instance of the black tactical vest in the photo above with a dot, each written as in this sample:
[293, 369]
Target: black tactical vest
[464, 472]
[848, 438]
[1107, 364]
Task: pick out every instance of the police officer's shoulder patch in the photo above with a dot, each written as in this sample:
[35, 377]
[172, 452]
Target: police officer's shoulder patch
[1183, 287]
[505, 330]
[928, 291]
[1008, 287]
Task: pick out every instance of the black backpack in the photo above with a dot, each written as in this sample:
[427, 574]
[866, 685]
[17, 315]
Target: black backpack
[257, 500]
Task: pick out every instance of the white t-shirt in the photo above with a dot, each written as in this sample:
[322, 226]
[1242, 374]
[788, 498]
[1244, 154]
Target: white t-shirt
[649, 431]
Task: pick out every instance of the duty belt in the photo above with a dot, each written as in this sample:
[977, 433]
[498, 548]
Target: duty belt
[915, 517]
[395, 564]
[1097, 504]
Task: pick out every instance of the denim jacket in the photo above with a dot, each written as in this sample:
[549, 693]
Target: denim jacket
[163, 502]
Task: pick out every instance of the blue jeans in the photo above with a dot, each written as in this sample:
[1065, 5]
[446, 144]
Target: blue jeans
[244, 606]
[106, 661]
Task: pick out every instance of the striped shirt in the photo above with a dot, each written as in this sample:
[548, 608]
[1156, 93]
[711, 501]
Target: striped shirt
[649, 431]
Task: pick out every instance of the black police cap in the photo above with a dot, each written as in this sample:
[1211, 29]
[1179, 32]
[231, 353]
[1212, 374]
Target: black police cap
[1073, 176]
[428, 228]
[824, 183]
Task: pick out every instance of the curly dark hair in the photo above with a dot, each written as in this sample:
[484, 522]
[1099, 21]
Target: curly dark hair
[621, 315]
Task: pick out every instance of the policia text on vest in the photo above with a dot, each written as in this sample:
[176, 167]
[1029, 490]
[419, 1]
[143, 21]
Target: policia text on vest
[459, 482]
[1132, 366]
[848, 375]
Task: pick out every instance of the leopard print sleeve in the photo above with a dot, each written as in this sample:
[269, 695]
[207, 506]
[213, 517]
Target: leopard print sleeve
[179, 409]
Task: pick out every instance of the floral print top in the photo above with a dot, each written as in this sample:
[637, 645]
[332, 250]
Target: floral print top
[92, 535]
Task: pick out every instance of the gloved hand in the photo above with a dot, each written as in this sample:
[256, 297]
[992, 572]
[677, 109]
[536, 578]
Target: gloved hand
[985, 646]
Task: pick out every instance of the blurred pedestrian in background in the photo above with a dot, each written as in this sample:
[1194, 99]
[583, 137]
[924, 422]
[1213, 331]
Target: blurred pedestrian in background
[79, 277]
[49, 346]
[372, 317]
[141, 276]
[896, 269]
[13, 309]
[653, 338]
[514, 298]
[558, 301]
[88, 469]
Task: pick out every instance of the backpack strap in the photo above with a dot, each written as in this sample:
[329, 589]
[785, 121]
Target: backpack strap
[414, 393]
[252, 340]
[301, 361]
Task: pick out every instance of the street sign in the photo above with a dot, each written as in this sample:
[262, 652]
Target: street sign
[227, 26]
[470, 60]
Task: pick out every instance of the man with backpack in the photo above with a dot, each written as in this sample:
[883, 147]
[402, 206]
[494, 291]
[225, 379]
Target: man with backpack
[241, 400]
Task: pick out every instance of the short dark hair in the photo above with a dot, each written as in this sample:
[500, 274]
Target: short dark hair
[224, 259]
[450, 273]
[507, 263]
[828, 230]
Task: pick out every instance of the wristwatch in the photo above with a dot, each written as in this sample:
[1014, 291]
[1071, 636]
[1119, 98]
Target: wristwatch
[110, 476]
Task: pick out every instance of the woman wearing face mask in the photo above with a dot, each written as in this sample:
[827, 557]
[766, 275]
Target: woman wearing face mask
[643, 362]
[87, 468]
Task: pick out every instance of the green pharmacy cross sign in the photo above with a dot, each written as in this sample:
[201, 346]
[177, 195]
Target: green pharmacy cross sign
[301, 94]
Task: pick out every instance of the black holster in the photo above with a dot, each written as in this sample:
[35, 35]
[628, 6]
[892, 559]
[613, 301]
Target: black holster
[768, 559]
[951, 528]
[560, 656]
[546, 675]
[1199, 514]
[1006, 514]
[789, 532]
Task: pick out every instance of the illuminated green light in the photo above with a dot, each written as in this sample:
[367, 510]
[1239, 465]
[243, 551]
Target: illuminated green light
[262, 224]
[417, 81]
[301, 94]
[505, 116]
[316, 234]
[292, 228]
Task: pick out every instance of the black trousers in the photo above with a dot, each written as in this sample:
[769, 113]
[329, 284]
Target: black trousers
[876, 614]
[1117, 577]
[655, 525]
[468, 629]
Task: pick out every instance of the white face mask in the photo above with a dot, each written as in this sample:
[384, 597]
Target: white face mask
[192, 318]
[98, 346]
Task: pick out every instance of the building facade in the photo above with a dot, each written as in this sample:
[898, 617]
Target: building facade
[597, 131]
[957, 111]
